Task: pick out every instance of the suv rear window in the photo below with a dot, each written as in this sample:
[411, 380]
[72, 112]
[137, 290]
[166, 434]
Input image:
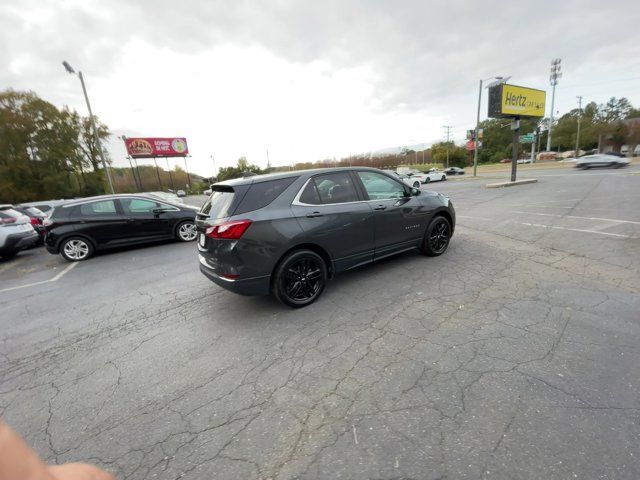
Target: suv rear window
[221, 203]
[262, 194]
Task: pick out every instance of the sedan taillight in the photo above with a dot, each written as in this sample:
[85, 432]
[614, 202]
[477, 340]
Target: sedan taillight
[228, 230]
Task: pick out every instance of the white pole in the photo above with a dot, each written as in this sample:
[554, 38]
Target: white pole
[95, 134]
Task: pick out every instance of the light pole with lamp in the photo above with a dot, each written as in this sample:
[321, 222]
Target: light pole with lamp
[497, 81]
[96, 139]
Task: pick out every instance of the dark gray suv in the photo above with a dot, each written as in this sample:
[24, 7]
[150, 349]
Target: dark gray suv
[287, 233]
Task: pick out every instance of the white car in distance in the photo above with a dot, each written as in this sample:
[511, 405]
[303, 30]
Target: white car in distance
[412, 182]
[432, 175]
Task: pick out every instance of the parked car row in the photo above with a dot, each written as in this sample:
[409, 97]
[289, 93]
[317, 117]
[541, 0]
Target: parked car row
[285, 233]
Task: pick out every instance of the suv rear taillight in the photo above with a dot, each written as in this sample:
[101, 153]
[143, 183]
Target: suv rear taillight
[228, 230]
[34, 221]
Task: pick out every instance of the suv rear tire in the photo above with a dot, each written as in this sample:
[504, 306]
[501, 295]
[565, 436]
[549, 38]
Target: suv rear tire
[300, 278]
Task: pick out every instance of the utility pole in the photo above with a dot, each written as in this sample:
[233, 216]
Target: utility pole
[576, 154]
[448, 127]
[213, 160]
[268, 161]
[555, 74]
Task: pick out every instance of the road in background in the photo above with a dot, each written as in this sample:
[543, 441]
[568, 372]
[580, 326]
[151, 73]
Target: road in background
[514, 355]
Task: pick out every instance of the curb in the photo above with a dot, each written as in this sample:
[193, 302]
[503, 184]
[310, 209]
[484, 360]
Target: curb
[511, 184]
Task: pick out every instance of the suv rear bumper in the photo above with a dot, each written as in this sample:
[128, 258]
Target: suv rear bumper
[248, 286]
[19, 241]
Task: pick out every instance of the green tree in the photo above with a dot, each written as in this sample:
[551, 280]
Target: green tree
[41, 152]
[457, 155]
[242, 168]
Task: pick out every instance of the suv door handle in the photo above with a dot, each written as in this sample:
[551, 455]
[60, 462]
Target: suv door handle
[314, 214]
[380, 207]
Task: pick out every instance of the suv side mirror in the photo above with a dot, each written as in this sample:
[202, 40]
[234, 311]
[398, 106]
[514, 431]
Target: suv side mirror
[415, 192]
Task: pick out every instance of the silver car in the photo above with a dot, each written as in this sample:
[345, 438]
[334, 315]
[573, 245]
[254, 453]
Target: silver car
[16, 232]
[601, 160]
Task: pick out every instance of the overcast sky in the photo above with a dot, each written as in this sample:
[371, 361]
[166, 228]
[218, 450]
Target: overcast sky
[309, 80]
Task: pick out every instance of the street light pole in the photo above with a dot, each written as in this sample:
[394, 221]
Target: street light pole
[448, 127]
[96, 139]
[553, 80]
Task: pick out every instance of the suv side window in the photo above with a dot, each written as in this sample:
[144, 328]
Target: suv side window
[310, 194]
[335, 188]
[381, 187]
[98, 209]
[262, 194]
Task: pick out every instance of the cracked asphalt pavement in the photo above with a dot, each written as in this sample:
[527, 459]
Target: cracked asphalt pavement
[514, 355]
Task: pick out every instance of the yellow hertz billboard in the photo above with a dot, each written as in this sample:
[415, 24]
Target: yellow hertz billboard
[513, 101]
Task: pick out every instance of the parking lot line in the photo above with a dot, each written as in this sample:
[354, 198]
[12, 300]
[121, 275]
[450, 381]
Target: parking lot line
[574, 229]
[54, 279]
[542, 203]
[614, 220]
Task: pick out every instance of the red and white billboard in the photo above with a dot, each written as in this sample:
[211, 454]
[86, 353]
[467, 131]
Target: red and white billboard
[156, 147]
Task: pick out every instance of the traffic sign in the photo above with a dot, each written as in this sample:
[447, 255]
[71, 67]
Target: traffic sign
[528, 138]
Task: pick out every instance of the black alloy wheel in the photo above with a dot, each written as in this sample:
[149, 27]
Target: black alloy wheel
[428, 180]
[436, 239]
[300, 278]
[416, 184]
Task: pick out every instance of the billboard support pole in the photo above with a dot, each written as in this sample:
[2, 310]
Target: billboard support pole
[139, 177]
[187, 170]
[515, 126]
[155, 160]
[133, 172]
[170, 176]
